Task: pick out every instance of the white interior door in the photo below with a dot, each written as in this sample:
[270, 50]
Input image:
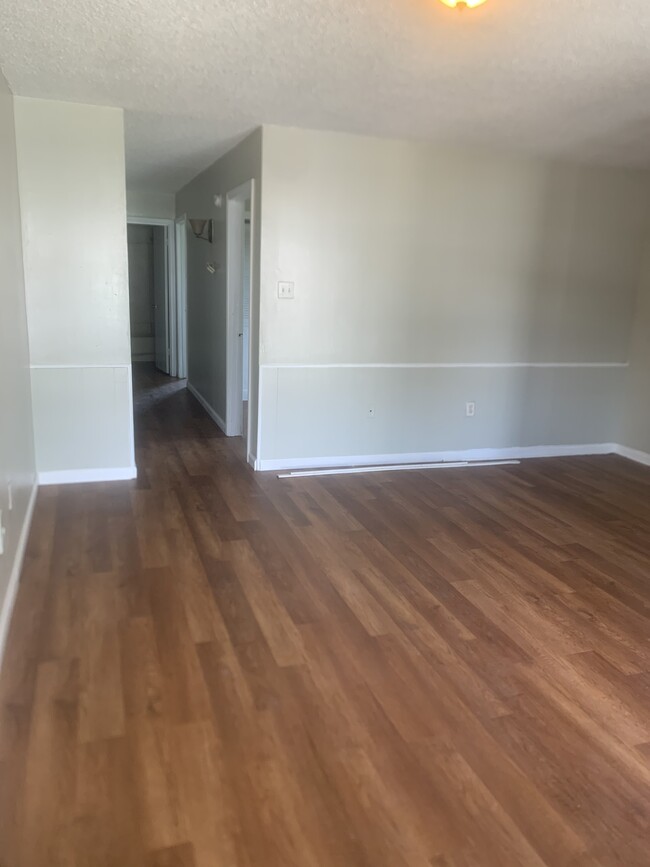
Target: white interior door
[160, 302]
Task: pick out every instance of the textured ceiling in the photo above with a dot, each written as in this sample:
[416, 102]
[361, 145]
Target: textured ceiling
[561, 77]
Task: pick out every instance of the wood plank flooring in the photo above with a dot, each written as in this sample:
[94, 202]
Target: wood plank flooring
[211, 668]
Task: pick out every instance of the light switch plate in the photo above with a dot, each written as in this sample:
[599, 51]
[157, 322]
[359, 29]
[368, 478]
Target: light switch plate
[285, 289]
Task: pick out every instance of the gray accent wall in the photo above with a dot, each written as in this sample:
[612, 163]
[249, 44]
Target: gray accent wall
[206, 292]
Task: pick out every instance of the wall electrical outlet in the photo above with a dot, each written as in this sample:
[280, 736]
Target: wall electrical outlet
[371, 413]
[285, 289]
[470, 409]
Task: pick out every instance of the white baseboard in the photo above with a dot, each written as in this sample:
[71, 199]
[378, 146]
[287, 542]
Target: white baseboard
[514, 453]
[101, 474]
[14, 578]
[633, 454]
[214, 415]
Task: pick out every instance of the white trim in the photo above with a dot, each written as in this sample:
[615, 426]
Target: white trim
[149, 221]
[131, 418]
[235, 215]
[389, 468]
[14, 575]
[180, 235]
[78, 366]
[170, 296]
[633, 454]
[214, 415]
[99, 474]
[251, 312]
[252, 460]
[489, 365]
[260, 415]
[465, 455]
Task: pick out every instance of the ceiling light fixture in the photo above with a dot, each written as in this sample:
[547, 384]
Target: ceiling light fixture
[462, 4]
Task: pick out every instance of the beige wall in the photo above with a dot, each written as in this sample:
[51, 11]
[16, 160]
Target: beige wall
[206, 293]
[635, 420]
[411, 264]
[72, 189]
[17, 467]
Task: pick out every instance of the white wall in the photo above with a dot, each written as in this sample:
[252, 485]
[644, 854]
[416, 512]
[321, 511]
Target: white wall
[17, 468]
[635, 421]
[72, 189]
[143, 203]
[206, 293]
[424, 261]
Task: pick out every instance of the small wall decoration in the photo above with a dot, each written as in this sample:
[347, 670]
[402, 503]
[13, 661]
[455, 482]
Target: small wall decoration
[202, 229]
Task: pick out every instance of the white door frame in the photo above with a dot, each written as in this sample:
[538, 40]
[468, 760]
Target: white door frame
[235, 215]
[180, 226]
[171, 281]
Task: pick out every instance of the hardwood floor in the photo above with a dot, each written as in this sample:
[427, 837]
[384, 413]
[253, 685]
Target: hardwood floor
[211, 668]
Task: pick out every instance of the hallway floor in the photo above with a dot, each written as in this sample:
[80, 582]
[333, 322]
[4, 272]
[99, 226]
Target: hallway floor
[213, 668]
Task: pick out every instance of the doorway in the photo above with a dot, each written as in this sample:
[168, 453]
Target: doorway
[157, 294]
[246, 314]
[239, 232]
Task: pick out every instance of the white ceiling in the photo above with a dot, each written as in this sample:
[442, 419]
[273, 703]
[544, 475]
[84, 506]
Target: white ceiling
[561, 77]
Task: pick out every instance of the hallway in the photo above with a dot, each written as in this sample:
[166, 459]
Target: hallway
[209, 667]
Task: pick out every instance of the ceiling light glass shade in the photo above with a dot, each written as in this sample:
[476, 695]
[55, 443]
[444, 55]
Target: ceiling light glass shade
[460, 3]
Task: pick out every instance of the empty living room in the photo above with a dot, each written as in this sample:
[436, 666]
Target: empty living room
[325, 433]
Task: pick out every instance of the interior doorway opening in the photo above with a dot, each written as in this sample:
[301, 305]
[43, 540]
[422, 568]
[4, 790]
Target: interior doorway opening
[148, 296]
[157, 301]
